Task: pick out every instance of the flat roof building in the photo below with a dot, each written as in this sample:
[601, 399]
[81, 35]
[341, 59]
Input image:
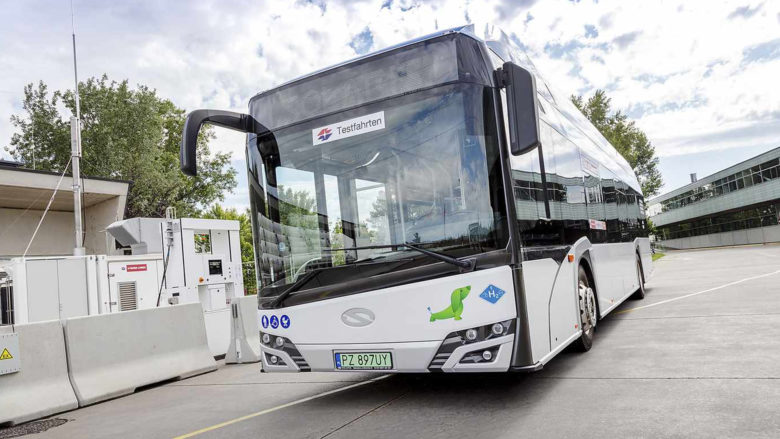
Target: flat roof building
[24, 194]
[735, 206]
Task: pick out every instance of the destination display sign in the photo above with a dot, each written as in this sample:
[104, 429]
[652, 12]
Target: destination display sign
[348, 128]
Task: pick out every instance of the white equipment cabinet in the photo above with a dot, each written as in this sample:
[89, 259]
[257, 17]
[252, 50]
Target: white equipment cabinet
[174, 261]
[51, 288]
[133, 282]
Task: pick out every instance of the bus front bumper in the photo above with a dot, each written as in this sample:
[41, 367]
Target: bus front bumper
[407, 357]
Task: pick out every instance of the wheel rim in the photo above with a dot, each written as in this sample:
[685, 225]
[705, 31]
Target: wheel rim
[587, 307]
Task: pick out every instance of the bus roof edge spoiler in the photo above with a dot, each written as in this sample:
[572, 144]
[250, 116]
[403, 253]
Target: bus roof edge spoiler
[195, 120]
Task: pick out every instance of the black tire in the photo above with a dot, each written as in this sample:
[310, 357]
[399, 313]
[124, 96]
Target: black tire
[588, 311]
[640, 293]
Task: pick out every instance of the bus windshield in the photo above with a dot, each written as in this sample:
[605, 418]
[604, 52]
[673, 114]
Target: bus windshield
[420, 168]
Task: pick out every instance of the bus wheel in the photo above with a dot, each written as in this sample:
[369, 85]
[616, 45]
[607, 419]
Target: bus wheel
[640, 293]
[588, 316]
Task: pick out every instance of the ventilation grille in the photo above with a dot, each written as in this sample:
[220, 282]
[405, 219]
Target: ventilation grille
[300, 362]
[128, 300]
[439, 360]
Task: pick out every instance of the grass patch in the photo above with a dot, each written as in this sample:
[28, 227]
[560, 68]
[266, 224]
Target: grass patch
[657, 256]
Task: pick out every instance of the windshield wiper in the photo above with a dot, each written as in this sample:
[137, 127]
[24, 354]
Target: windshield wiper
[464, 264]
[305, 277]
[295, 285]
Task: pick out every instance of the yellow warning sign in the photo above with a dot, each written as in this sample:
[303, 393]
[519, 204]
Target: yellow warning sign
[6, 355]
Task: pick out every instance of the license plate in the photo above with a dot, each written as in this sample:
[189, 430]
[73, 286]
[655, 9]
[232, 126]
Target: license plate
[364, 360]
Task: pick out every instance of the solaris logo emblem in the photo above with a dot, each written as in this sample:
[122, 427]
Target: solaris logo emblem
[324, 134]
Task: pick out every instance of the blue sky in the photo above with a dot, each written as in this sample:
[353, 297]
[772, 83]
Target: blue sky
[699, 77]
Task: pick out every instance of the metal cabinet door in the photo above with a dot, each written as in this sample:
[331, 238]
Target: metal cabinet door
[72, 274]
[43, 301]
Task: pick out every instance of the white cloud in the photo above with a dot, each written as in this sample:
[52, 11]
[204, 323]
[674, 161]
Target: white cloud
[681, 74]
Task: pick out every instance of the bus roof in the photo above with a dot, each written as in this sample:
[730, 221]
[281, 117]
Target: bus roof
[465, 30]
[509, 49]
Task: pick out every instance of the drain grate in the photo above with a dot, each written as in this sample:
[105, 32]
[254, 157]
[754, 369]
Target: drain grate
[30, 428]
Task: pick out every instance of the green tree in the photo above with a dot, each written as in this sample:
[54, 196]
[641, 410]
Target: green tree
[245, 235]
[626, 137]
[337, 242]
[295, 205]
[651, 229]
[129, 134]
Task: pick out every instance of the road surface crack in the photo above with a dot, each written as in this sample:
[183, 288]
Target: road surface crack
[657, 378]
[373, 410]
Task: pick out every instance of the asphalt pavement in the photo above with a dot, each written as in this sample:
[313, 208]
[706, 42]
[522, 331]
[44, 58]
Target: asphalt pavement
[698, 357]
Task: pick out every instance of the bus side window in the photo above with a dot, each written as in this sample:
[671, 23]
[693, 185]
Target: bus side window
[568, 182]
[556, 192]
[610, 196]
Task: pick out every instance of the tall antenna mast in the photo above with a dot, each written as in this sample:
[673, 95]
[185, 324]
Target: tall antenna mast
[75, 148]
[32, 126]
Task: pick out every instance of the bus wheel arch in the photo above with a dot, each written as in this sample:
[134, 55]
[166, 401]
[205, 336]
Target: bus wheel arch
[587, 304]
[587, 266]
[639, 294]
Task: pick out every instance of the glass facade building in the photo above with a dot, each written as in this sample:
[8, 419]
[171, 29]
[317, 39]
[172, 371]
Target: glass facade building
[738, 205]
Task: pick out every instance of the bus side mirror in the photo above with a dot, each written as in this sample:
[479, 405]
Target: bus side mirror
[522, 105]
[188, 151]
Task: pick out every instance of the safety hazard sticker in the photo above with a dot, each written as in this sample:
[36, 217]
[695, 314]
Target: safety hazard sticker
[9, 353]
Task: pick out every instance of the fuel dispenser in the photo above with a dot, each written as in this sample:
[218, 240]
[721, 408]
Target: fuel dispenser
[201, 262]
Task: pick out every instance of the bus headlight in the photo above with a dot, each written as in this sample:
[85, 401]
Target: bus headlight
[481, 356]
[457, 339]
[486, 332]
[279, 343]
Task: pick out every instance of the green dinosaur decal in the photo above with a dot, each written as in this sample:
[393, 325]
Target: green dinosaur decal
[456, 306]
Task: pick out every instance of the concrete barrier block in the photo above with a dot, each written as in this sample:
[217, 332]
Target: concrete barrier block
[218, 330]
[245, 331]
[41, 387]
[111, 355]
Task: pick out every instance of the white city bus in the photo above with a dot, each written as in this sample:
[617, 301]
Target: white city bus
[432, 207]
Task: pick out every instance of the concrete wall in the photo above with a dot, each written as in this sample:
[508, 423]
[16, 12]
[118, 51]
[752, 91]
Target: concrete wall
[110, 355]
[56, 235]
[759, 235]
[41, 387]
[96, 218]
[79, 361]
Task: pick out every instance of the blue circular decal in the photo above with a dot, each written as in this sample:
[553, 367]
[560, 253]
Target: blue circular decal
[264, 321]
[274, 322]
[285, 321]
